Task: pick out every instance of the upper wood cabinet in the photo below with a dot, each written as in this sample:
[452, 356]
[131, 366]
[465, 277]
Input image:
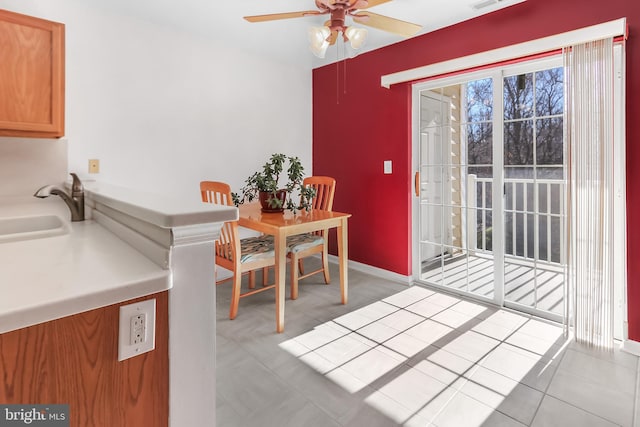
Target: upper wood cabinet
[31, 76]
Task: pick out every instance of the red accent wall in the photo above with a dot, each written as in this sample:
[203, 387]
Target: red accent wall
[357, 124]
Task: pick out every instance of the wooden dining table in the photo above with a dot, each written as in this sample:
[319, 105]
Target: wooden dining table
[287, 223]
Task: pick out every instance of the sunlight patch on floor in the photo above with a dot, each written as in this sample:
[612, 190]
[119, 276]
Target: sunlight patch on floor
[428, 358]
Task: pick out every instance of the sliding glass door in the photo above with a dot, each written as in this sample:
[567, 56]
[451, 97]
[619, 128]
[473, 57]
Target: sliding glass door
[534, 190]
[489, 216]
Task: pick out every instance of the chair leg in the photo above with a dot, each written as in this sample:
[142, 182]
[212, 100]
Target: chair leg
[265, 275]
[235, 295]
[252, 279]
[325, 265]
[294, 277]
[300, 266]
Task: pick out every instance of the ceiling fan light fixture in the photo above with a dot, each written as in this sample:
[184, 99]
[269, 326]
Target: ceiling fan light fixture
[318, 38]
[356, 36]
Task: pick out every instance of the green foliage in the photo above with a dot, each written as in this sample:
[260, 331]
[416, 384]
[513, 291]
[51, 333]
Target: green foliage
[268, 180]
[489, 239]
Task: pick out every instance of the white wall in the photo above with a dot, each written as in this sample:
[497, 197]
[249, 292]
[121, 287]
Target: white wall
[163, 109]
[27, 164]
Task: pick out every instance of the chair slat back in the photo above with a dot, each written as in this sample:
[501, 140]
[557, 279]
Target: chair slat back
[325, 187]
[220, 193]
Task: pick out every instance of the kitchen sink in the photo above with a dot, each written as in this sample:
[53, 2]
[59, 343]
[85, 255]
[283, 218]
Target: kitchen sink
[31, 227]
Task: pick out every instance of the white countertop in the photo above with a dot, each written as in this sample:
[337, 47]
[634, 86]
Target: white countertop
[53, 277]
[162, 211]
[90, 267]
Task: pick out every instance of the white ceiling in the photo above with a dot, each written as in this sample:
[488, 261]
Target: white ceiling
[286, 40]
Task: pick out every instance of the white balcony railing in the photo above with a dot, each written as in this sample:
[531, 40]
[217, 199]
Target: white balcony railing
[534, 213]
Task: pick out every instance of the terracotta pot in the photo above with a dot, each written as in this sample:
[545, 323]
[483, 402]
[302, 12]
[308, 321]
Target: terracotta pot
[265, 197]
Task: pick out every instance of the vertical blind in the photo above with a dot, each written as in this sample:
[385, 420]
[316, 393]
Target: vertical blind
[589, 124]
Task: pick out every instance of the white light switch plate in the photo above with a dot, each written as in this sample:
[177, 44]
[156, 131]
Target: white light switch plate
[388, 167]
[137, 333]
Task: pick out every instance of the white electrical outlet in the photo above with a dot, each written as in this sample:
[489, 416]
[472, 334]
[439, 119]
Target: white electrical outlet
[137, 329]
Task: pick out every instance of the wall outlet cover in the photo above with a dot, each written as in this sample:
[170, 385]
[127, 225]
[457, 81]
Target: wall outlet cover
[94, 166]
[137, 333]
[388, 167]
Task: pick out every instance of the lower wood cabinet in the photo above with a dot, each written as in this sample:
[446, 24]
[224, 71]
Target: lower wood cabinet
[74, 360]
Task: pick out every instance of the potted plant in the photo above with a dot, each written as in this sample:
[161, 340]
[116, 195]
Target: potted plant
[264, 186]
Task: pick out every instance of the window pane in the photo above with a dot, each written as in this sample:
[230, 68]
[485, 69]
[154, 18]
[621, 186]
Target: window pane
[484, 229]
[432, 224]
[458, 185]
[431, 184]
[488, 195]
[556, 232]
[508, 230]
[518, 173]
[483, 194]
[458, 220]
[518, 143]
[480, 143]
[431, 262]
[550, 172]
[549, 146]
[557, 199]
[543, 189]
[481, 171]
[457, 146]
[514, 233]
[549, 92]
[455, 268]
[518, 96]
[479, 100]
[434, 109]
[543, 236]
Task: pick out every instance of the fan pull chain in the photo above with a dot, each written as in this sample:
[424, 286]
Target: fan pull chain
[337, 84]
[344, 73]
[344, 70]
[344, 67]
[337, 76]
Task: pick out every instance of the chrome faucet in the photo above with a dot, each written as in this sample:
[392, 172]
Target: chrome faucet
[75, 202]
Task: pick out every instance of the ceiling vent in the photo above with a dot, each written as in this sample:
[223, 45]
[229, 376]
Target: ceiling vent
[485, 3]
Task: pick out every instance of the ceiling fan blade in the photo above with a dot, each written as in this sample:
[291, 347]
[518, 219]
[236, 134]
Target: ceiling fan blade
[385, 23]
[370, 3]
[276, 16]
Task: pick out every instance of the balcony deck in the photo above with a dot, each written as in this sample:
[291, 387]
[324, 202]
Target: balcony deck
[524, 284]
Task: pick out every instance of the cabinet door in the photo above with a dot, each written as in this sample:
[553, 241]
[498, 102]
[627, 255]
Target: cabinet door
[31, 76]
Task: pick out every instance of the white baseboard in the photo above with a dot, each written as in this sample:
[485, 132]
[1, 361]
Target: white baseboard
[630, 346]
[375, 271]
[222, 273]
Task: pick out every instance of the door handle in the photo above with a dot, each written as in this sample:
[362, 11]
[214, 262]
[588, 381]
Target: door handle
[417, 183]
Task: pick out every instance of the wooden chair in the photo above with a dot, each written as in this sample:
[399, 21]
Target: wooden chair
[304, 245]
[240, 256]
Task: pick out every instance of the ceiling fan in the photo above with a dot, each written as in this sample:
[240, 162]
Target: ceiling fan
[323, 37]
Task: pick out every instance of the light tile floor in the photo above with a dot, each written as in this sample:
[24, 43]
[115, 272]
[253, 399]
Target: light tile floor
[409, 356]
